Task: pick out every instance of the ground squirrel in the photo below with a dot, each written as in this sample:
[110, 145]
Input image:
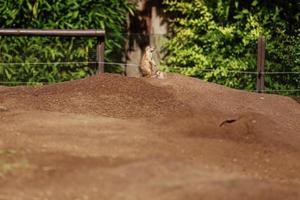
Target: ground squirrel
[148, 65]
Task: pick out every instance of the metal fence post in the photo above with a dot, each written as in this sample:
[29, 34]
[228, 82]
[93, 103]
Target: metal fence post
[100, 54]
[260, 82]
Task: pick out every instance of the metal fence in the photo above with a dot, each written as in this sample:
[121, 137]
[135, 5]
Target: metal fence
[99, 34]
[128, 61]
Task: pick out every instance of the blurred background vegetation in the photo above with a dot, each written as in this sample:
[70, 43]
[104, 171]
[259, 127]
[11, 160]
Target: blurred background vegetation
[216, 41]
[110, 15]
[212, 40]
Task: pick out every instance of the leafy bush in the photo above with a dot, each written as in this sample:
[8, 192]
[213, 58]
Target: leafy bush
[110, 15]
[216, 40]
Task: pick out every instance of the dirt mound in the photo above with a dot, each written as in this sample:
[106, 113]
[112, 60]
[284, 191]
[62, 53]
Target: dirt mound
[190, 106]
[114, 137]
[106, 94]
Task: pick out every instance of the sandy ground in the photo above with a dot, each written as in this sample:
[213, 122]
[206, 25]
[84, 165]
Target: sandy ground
[114, 137]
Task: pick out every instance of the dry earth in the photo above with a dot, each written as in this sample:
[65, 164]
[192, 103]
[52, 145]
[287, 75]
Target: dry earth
[113, 137]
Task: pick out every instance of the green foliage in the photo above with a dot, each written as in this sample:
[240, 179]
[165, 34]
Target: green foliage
[110, 15]
[214, 40]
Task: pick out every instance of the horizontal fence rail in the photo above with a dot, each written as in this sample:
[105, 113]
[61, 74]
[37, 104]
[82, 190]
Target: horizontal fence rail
[137, 65]
[52, 32]
[66, 63]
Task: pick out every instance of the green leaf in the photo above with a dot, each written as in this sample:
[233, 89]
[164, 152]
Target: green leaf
[254, 3]
[35, 9]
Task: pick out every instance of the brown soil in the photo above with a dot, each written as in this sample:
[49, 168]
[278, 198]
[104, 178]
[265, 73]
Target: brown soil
[114, 137]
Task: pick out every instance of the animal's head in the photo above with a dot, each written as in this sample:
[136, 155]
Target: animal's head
[150, 49]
